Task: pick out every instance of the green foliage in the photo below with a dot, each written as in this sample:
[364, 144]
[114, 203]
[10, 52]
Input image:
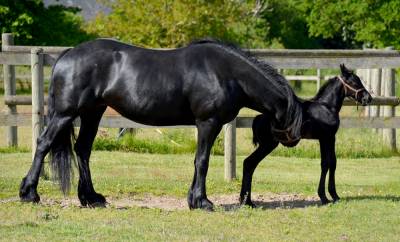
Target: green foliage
[375, 23]
[33, 24]
[285, 22]
[13, 149]
[169, 23]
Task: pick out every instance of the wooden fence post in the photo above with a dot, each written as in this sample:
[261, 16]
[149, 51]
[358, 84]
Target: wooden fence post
[9, 89]
[368, 76]
[37, 95]
[230, 150]
[319, 78]
[376, 75]
[383, 92]
[389, 135]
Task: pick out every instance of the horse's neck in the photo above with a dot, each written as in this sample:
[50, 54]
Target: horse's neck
[331, 95]
[263, 95]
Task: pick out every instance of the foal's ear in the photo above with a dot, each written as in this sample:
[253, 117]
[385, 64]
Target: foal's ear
[345, 72]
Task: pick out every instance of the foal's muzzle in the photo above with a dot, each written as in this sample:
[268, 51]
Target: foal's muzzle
[365, 98]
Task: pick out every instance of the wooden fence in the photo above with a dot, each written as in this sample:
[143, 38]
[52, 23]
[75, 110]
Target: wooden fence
[37, 57]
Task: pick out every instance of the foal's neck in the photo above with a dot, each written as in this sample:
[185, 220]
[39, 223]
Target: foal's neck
[331, 94]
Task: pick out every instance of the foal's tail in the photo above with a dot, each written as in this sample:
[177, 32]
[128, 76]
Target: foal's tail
[261, 129]
[61, 153]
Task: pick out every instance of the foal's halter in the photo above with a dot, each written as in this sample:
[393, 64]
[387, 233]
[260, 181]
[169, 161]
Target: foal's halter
[347, 86]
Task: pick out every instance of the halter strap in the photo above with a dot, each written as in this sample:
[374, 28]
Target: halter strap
[347, 86]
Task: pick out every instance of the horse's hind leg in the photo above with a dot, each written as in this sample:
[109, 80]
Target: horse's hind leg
[327, 147]
[57, 124]
[332, 168]
[207, 133]
[83, 146]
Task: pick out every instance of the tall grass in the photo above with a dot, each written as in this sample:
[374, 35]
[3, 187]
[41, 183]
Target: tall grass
[169, 141]
[350, 143]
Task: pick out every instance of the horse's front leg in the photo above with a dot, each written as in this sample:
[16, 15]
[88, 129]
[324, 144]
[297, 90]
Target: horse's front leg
[207, 133]
[249, 166]
[328, 162]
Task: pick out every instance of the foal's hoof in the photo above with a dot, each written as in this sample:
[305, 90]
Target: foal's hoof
[325, 201]
[248, 203]
[92, 200]
[28, 193]
[336, 199]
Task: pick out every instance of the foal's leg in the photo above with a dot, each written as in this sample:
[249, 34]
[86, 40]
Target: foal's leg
[207, 133]
[83, 146]
[327, 147]
[249, 166]
[332, 169]
[27, 190]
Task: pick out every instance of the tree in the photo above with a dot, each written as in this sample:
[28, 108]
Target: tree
[285, 22]
[374, 23]
[173, 23]
[33, 24]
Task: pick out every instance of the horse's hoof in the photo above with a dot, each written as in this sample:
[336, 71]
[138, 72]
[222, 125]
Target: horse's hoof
[202, 203]
[28, 193]
[92, 200]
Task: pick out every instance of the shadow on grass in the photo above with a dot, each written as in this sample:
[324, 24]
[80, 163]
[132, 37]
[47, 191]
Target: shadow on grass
[393, 198]
[264, 205]
[304, 203]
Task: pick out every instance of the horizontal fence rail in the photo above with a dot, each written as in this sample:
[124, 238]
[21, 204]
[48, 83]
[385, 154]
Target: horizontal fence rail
[376, 101]
[241, 122]
[282, 59]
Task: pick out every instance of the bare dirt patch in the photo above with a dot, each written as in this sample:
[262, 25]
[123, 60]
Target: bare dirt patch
[226, 202]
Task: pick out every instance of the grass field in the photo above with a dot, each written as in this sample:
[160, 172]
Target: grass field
[369, 210]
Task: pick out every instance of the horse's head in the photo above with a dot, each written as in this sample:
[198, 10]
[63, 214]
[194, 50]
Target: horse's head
[353, 86]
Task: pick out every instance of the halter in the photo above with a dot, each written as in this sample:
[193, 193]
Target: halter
[347, 86]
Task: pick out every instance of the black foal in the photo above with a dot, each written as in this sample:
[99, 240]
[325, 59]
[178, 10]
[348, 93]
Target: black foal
[320, 121]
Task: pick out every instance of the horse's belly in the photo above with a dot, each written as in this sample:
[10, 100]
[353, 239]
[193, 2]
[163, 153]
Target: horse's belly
[156, 113]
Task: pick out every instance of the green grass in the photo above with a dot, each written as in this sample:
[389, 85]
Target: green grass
[369, 210]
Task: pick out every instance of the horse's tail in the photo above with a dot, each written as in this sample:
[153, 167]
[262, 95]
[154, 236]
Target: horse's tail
[61, 153]
[261, 129]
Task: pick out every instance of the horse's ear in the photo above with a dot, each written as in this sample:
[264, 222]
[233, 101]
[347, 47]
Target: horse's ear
[345, 72]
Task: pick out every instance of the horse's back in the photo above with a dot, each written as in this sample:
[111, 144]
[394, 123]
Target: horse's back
[149, 86]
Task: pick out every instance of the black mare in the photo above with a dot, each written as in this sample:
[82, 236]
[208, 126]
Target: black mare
[320, 121]
[205, 83]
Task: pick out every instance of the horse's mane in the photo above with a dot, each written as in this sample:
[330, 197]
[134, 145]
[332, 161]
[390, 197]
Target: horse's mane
[267, 70]
[294, 111]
